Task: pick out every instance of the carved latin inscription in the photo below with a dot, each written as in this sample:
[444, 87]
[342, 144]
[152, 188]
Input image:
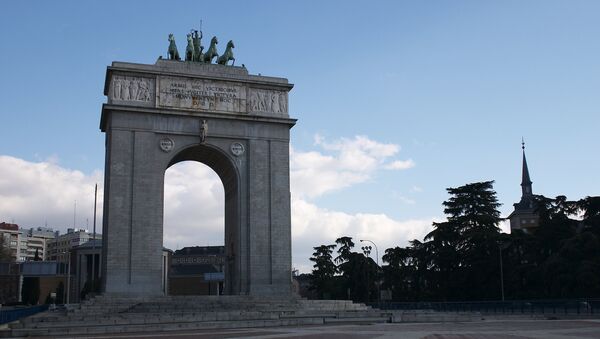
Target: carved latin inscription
[132, 88]
[203, 95]
[267, 101]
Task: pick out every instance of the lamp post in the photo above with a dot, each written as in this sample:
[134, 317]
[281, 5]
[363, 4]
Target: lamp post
[501, 272]
[377, 261]
[367, 252]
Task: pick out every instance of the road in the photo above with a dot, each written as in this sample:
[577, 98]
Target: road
[488, 329]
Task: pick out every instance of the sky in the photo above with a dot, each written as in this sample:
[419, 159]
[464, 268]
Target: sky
[396, 101]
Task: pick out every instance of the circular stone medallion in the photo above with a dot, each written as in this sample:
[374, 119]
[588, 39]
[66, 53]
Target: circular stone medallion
[166, 144]
[237, 149]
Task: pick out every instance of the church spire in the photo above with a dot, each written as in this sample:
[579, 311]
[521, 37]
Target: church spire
[525, 180]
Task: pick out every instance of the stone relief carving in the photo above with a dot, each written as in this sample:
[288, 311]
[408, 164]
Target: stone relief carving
[267, 101]
[237, 149]
[132, 88]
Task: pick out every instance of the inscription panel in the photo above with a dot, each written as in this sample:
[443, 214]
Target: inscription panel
[204, 259]
[196, 94]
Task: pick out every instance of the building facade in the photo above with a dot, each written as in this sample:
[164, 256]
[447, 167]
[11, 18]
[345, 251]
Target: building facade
[197, 271]
[27, 245]
[85, 272]
[59, 247]
[11, 236]
[37, 241]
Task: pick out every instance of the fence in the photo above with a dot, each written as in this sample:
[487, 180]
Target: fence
[9, 315]
[569, 306]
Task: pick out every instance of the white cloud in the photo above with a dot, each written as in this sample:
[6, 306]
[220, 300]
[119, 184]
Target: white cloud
[504, 226]
[416, 189]
[400, 165]
[351, 161]
[313, 226]
[194, 206]
[35, 193]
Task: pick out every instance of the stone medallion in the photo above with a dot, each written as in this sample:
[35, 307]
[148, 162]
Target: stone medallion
[237, 149]
[166, 144]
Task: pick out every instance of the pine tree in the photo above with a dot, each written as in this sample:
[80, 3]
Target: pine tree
[323, 270]
[464, 249]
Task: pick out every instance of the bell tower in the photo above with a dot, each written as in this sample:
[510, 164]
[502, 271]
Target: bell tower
[525, 217]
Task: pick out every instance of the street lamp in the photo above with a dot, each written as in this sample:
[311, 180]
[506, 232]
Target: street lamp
[501, 271]
[377, 261]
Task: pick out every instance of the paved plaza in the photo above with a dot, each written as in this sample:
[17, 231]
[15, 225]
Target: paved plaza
[497, 329]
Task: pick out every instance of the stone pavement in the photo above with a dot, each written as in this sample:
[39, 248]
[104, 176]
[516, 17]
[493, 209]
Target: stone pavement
[488, 329]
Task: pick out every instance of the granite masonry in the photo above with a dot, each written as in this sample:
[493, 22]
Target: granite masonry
[237, 124]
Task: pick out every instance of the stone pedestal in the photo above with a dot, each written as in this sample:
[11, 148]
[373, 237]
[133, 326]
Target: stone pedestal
[237, 124]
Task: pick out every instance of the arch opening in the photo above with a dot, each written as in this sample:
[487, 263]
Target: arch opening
[201, 223]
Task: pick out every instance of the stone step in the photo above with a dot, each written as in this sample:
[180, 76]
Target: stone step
[162, 319]
[119, 315]
[192, 307]
[370, 320]
[184, 317]
[87, 328]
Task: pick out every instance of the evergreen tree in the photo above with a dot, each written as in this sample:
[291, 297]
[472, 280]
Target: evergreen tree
[345, 249]
[323, 270]
[5, 255]
[464, 248]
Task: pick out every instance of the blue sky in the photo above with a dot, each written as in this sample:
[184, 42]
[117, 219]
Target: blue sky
[453, 84]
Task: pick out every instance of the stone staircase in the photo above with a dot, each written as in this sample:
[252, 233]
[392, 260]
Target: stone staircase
[104, 315]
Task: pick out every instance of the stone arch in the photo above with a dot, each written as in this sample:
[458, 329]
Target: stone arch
[206, 113]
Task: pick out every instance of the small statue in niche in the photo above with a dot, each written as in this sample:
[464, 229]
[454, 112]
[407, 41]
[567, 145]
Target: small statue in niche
[173, 53]
[203, 131]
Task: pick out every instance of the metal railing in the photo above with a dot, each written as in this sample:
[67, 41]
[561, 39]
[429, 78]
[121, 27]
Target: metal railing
[566, 306]
[13, 314]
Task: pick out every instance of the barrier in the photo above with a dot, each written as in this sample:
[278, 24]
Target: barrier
[7, 316]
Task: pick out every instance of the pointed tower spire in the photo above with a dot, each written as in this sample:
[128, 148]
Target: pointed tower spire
[525, 180]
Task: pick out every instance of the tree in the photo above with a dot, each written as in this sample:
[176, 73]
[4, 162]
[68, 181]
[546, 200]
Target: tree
[464, 248]
[399, 273]
[5, 254]
[359, 273]
[346, 244]
[590, 208]
[323, 270]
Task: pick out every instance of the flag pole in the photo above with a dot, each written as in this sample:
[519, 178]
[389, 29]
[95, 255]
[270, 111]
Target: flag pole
[93, 283]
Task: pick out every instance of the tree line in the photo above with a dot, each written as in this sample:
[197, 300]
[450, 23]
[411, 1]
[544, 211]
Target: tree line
[467, 257]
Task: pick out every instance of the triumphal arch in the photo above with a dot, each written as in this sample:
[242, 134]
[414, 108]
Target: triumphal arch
[234, 122]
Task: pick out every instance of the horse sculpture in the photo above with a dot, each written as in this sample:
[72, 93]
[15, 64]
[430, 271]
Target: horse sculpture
[197, 46]
[190, 53]
[173, 53]
[227, 55]
[212, 50]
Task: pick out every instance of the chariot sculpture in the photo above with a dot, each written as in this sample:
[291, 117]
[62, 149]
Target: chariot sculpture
[194, 49]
